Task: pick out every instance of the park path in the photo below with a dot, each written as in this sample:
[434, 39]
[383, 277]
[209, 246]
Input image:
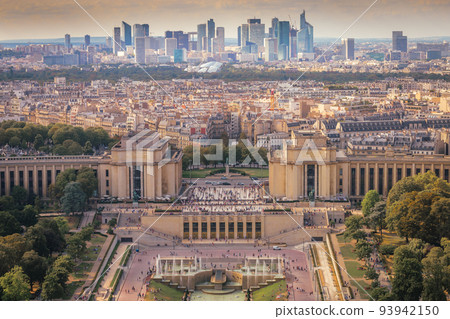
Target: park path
[340, 261]
[330, 290]
[95, 267]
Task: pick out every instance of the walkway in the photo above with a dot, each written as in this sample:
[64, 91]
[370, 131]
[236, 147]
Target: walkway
[95, 268]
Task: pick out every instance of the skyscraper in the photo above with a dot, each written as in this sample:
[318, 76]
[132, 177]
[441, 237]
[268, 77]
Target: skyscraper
[399, 41]
[139, 53]
[211, 32]
[146, 30]
[293, 47]
[126, 33]
[270, 49]
[349, 48]
[239, 35]
[171, 46]
[220, 35]
[116, 40]
[138, 31]
[201, 32]
[244, 35]
[283, 40]
[87, 40]
[274, 28]
[256, 31]
[305, 37]
[67, 41]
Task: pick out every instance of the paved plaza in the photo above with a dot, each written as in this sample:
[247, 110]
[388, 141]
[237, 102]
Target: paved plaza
[297, 272]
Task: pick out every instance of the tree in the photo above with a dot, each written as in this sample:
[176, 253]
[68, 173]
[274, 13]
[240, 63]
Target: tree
[371, 274]
[7, 203]
[436, 268]
[377, 216]
[417, 208]
[88, 181]
[370, 199]
[15, 285]
[38, 141]
[34, 266]
[76, 246]
[352, 225]
[8, 224]
[51, 288]
[87, 149]
[407, 284]
[86, 233]
[12, 248]
[74, 198]
[20, 195]
[27, 217]
[363, 249]
[64, 178]
[36, 237]
[64, 262]
[63, 224]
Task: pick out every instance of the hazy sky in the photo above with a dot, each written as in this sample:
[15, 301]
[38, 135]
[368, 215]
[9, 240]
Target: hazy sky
[32, 19]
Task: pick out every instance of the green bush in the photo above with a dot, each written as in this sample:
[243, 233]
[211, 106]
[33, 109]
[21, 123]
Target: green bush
[387, 250]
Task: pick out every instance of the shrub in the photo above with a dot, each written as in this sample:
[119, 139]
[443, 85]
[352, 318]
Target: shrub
[387, 249]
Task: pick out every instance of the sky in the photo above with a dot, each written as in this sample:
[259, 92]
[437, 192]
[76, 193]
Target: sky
[31, 19]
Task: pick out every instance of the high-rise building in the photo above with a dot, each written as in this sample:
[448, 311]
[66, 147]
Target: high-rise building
[305, 36]
[116, 40]
[201, 32]
[270, 46]
[138, 32]
[245, 35]
[256, 31]
[283, 40]
[205, 43]
[179, 55]
[146, 30]
[239, 35]
[126, 33]
[220, 35]
[274, 33]
[211, 32]
[399, 41]
[293, 47]
[67, 41]
[349, 48]
[87, 40]
[139, 52]
[171, 46]
[109, 43]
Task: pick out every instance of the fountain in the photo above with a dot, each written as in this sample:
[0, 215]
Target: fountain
[264, 271]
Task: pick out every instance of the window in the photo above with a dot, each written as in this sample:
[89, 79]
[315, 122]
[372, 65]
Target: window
[107, 173]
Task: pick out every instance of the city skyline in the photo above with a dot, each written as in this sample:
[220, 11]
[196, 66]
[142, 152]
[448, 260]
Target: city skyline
[418, 18]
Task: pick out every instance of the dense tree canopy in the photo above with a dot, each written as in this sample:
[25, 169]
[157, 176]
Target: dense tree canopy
[417, 207]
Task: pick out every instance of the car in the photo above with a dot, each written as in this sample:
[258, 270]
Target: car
[223, 177]
[240, 183]
[226, 183]
[276, 248]
[208, 182]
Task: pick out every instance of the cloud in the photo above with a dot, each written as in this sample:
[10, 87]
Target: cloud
[54, 18]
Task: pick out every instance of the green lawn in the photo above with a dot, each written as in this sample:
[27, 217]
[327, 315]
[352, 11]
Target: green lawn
[202, 173]
[162, 292]
[71, 287]
[347, 252]
[352, 268]
[362, 293]
[276, 291]
[94, 248]
[341, 239]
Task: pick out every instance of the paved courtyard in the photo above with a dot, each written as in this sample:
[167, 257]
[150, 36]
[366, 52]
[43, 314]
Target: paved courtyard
[298, 275]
